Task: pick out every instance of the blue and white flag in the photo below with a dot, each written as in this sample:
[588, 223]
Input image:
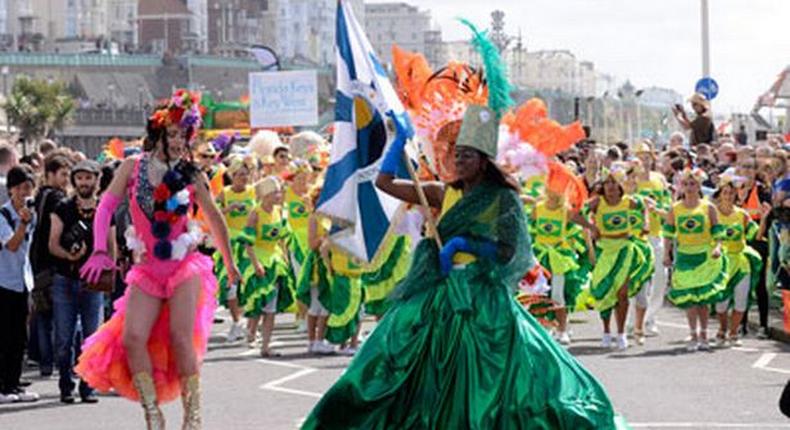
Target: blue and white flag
[361, 213]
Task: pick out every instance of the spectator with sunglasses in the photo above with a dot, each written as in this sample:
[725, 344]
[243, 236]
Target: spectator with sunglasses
[753, 197]
[71, 242]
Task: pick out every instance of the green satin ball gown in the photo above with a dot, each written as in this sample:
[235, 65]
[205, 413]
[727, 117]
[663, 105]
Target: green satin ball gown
[458, 352]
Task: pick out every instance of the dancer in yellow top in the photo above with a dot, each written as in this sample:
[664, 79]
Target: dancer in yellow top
[699, 272]
[236, 201]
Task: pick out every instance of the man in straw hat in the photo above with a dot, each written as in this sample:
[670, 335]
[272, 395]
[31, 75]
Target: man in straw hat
[702, 129]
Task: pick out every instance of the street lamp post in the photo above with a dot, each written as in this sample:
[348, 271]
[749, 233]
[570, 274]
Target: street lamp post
[637, 96]
[605, 117]
[5, 71]
[705, 38]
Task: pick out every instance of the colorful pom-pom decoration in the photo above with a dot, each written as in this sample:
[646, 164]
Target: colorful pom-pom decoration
[163, 250]
[160, 230]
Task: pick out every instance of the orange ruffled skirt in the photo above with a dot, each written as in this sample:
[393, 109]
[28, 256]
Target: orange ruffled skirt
[104, 364]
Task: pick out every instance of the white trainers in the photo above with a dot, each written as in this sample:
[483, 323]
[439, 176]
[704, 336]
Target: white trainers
[349, 351]
[651, 328]
[736, 341]
[622, 342]
[8, 398]
[26, 396]
[721, 341]
[606, 341]
[301, 326]
[692, 345]
[235, 333]
[703, 345]
[564, 338]
[322, 347]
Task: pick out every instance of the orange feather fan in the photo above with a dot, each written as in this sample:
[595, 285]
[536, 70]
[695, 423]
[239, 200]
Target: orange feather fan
[547, 136]
[562, 181]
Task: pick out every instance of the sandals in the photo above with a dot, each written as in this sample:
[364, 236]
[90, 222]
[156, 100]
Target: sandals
[639, 336]
[270, 354]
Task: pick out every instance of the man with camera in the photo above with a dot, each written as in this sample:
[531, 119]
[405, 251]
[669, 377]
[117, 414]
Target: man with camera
[57, 173]
[17, 222]
[71, 242]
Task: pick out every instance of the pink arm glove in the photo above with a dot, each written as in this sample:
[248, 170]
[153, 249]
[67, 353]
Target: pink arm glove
[99, 259]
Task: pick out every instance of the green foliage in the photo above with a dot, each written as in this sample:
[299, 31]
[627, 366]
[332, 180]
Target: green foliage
[37, 107]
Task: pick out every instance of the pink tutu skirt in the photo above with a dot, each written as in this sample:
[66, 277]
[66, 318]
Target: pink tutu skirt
[104, 364]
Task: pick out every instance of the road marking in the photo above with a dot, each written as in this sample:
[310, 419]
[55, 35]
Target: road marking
[763, 362]
[706, 425]
[745, 349]
[300, 372]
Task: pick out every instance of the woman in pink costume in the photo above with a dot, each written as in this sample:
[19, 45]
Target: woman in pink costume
[155, 354]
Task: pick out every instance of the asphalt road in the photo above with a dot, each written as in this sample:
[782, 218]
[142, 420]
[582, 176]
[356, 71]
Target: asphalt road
[657, 385]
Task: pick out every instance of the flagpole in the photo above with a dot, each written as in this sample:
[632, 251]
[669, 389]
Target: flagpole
[429, 219]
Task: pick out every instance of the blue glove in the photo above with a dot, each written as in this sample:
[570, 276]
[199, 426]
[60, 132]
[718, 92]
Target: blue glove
[448, 251]
[486, 249]
[394, 156]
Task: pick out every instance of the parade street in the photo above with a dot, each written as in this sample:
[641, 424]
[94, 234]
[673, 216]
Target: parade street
[658, 385]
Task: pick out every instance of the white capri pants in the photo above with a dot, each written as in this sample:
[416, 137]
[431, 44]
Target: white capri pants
[558, 289]
[271, 307]
[233, 291]
[740, 296]
[316, 308]
[641, 298]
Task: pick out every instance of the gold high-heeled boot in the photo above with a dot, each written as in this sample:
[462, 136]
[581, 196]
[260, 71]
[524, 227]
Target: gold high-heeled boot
[154, 419]
[190, 397]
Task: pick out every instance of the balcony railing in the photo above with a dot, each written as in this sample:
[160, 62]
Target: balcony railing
[109, 116]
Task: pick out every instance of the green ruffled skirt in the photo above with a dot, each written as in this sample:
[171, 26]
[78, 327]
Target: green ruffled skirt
[462, 354]
[313, 274]
[346, 296]
[342, 296]
[242, 262]
[277, 282]
[617, 261]
[740, 265]
[565, 262]
[697, 278]
[379, 283]
[645, 272]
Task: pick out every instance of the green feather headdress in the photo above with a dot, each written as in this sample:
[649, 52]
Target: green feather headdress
[495, 70]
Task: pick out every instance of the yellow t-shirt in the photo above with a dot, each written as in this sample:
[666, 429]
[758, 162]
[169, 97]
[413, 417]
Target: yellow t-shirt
[550, 225]
[692, 225]
[269, 232]
[612, 221]
[237, 219]
[298, 216]
[656, 190]
[451, 197]
[636, 218]
[734, 237]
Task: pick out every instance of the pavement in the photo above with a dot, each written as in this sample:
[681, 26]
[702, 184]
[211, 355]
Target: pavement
[655, 386]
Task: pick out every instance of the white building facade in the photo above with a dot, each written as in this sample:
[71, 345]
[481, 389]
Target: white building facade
[407, 26]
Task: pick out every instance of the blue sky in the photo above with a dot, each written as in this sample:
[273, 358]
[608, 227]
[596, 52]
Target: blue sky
[649, 42]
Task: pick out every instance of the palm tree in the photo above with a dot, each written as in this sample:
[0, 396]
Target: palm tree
[38, 107]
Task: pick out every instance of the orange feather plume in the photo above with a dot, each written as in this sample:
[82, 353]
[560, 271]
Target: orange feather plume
[115, 149]
[412, 71]
[562, 181]
[530, 121]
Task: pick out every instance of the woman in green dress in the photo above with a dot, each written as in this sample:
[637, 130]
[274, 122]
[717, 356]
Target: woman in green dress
[455, 350]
